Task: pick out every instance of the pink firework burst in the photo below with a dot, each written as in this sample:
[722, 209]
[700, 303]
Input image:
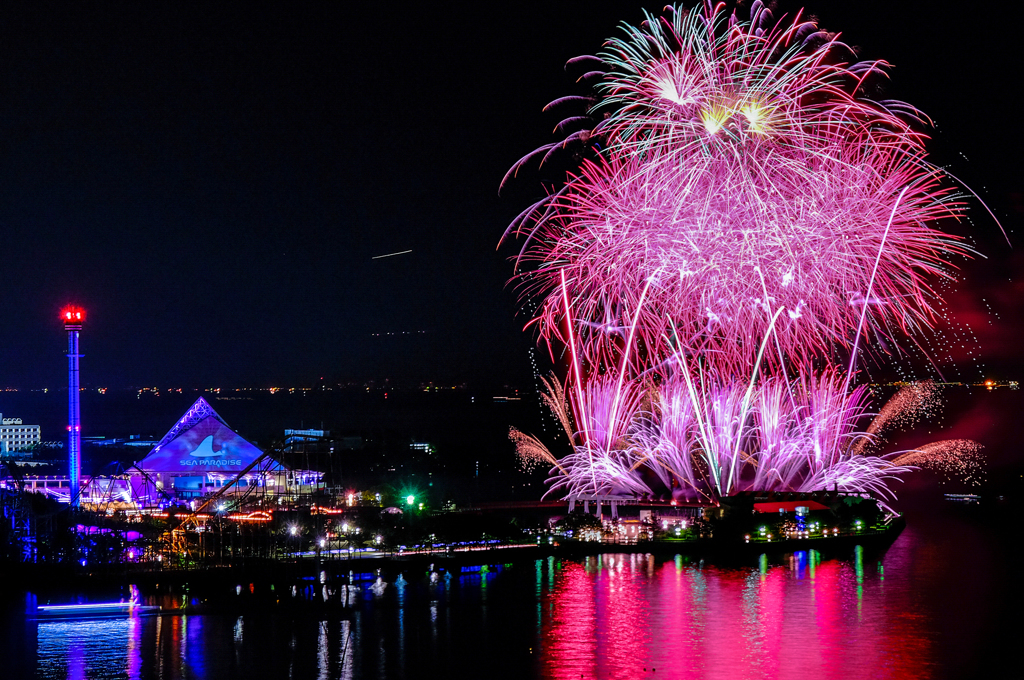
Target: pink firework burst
[742, 210]
[750, 189]
[708, 438]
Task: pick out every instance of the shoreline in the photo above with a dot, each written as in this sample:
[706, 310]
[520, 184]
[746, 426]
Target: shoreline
[304, 570]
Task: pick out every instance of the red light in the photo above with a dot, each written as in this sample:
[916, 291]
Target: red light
[72, 314]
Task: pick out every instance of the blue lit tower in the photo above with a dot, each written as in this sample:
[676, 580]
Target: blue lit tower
[73, 318]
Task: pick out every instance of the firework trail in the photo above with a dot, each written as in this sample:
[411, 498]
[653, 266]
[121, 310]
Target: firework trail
[531, 451]
[905, 409]
[955, 459]
[913, 402]
[554, 399]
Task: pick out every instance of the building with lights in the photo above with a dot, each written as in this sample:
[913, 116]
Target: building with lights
[16, 437]
[201, 455]
[300, 437]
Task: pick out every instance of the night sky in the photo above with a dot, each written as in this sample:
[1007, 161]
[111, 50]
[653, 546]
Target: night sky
[212, 180]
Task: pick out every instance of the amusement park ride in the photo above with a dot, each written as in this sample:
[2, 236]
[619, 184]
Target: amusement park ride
[73, 318]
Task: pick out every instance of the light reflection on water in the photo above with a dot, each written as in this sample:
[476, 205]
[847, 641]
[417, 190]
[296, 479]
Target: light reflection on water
[619, 615]
[76, 649]
[910, 611]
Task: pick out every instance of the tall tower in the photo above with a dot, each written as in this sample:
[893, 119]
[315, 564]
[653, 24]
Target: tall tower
[73, 318]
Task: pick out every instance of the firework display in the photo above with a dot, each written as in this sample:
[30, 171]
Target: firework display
[741, 212]
[685, 442]
[742, 174]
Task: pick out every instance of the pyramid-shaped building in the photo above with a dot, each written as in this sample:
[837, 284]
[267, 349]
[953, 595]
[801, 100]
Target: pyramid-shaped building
[200, 455]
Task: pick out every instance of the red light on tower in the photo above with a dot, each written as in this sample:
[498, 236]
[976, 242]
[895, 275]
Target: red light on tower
[72, 315]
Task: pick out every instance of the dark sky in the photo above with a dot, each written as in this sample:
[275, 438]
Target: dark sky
[211, 180]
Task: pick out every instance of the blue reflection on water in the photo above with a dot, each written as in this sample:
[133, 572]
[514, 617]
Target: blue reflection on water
[800, 564]
[134, 651]
[105, 648]
[193, 656]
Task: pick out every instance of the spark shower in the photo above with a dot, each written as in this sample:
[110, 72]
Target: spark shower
[738, 222]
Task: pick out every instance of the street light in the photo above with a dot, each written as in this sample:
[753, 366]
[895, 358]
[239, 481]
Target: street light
[410, 500]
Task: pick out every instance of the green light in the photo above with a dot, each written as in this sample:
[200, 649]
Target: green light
[410, 499]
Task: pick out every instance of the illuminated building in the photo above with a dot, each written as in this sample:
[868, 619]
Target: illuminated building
[198, 457]
[292, 437]
[201, 455]
[16, 437]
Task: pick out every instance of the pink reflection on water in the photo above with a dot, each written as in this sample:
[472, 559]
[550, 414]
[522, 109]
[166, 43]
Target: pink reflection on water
[569, 621]
[677, 621]
[828, 616]
[632, 616]
[624, 636]
[765, 603]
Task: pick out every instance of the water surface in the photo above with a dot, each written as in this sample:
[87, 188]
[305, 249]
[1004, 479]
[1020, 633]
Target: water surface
[941, 602]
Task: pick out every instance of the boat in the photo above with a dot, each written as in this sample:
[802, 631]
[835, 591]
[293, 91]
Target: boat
[99, 610]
